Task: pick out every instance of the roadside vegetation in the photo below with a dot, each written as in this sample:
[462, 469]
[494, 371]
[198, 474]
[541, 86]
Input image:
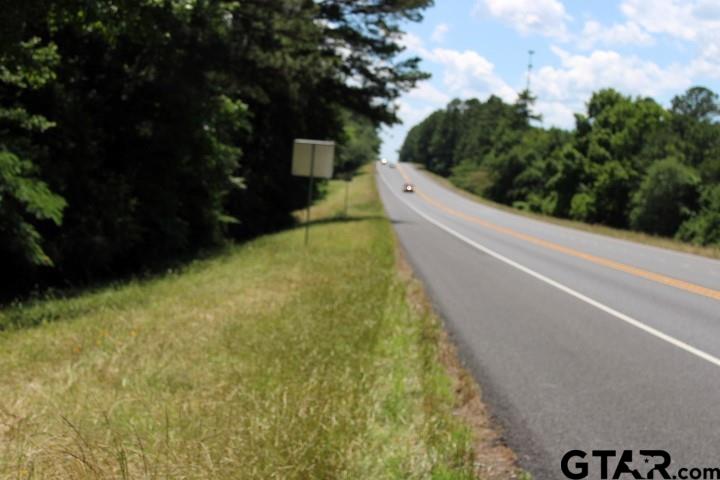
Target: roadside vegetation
[266, 360]
[710, 251]
[134, 134]
[628, 164]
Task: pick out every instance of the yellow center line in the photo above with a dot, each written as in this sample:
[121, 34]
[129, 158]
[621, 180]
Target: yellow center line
[638, 272]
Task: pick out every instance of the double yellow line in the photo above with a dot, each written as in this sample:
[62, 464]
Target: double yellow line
[638, 272]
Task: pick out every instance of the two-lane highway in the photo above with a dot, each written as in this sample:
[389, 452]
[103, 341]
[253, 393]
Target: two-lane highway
[579, 341]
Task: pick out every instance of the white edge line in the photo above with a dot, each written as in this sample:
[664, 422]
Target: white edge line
[611, 311]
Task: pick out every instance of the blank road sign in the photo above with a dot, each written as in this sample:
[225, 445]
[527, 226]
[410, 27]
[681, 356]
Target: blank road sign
[302, 158]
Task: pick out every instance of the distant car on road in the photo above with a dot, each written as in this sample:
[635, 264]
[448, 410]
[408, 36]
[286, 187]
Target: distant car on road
[408, 187]
[383, 161]
[391, 164]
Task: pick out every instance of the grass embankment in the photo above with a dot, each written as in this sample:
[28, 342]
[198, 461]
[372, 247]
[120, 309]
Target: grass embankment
[269, 360]
[630, 235]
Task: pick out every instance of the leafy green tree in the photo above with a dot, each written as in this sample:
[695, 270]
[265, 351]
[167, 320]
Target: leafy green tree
[416, 147]
[568, 177]
[23, 196]
[362, 37]
[444, 138]
[523, 110]
[629, 161]
[472, 177]
[170, 123]
[698, 103]
[612, 139]
[695, 126]
[304, 61]
[704, 227]
[666, 198]
[479, 124]
[360, 144]
[25, 199]
[508, 160]
[541, 149]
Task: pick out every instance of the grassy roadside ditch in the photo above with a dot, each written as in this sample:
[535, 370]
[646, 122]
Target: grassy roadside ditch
[629, 235]
[268, 360]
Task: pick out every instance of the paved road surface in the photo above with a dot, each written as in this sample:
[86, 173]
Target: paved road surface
[579, 341]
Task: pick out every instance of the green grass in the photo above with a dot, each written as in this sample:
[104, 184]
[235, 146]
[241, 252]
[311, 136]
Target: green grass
[269, 360]
[629, 235]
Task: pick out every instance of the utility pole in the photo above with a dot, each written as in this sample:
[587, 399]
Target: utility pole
[530, 67]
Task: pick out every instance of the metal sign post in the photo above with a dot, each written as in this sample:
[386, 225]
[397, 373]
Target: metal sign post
[312, 158]
[347, 177]
[347, 192]
[310, 192]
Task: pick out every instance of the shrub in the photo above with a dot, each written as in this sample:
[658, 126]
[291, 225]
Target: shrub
[667, 197]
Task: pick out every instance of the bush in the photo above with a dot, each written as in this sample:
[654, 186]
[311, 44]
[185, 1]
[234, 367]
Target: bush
[471, 178]
[704, 227]
[582, 207]
[667, 197]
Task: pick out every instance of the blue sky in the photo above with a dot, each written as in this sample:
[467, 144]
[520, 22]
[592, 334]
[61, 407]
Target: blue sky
[475, 48]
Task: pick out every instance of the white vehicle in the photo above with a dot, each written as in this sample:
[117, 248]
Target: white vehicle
[383, 161]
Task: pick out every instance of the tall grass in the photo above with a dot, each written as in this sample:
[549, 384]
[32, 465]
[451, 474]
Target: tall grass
[270, 360]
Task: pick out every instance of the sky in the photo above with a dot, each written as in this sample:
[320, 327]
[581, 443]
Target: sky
[477, 48]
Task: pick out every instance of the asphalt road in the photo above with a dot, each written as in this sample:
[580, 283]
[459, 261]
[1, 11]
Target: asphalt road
[579, 341]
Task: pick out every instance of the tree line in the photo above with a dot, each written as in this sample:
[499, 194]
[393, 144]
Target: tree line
[135, 132]
[628, 163]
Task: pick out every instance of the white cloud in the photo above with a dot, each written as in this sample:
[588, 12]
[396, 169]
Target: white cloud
[705, 66]
[707, 9]
[663, 16]
[393, 137]
[412, 43]
[606, 68]
[411, 114]
[692, 21]
[466, 73]
[546, 17]
[566, 88]
[689, 20]
[426, 92]
[629, 33]
[438, 34]
[588, 61]
[556, 113]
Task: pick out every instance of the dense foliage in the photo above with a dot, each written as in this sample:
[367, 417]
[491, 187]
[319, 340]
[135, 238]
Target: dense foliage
[137, 131]
[629, 163]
